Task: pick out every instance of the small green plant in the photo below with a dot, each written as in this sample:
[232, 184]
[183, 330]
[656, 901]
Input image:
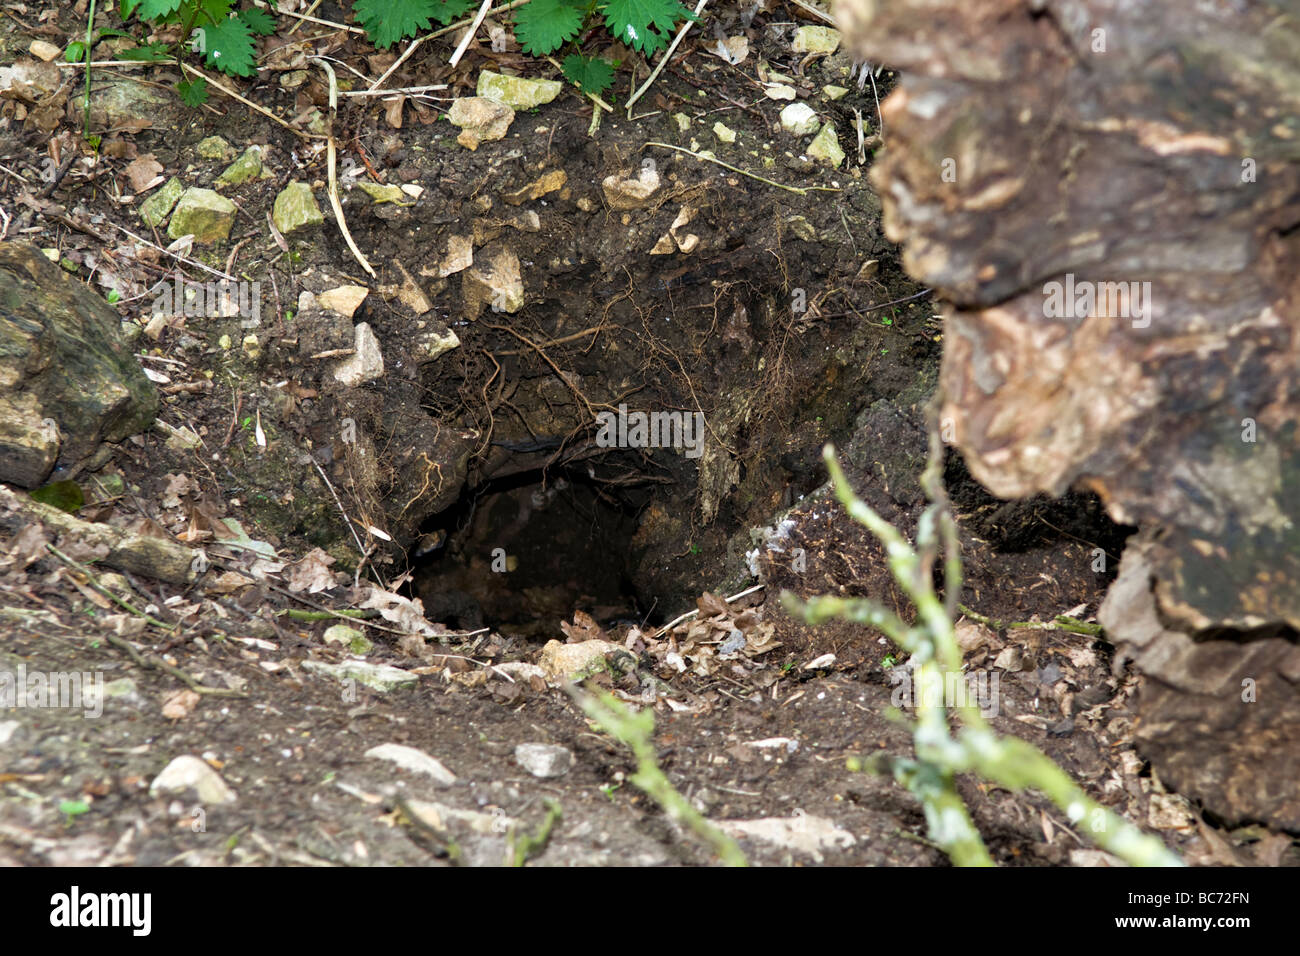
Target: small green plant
[214, 29]
[541, 26]
[71, 809]
[941, 754]
[635, 730]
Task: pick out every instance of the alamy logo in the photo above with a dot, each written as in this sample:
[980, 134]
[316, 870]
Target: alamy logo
[652, 430]
[223, 300]
[103, 909]
[949, 690]
[25, 688]
[1079, 299]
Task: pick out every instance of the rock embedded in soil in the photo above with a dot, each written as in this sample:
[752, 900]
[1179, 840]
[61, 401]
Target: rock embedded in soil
[247, 166]
[204, 214]
[380, 677]
[800, 119]
[826, 147]
[563, 661]
[156, 208]
[215, 148]
[416, 761]
[816, 40]
[188, 774]
[68, 379]
[517, 92]
[295, 208]
[436, 340]
[544, 760]
[480, 119]
[383, 192]
[344, 299]
[366, 364]
[124, 103]
[494, 280]
[549, 182]
[631, 191]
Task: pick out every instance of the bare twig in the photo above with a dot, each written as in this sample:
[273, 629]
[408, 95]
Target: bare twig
[800, 190]
[690, 614]
[331, 153]
[663, 61]
[469, 34]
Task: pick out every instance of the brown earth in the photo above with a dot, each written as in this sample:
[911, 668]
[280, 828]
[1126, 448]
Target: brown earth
[626, 536]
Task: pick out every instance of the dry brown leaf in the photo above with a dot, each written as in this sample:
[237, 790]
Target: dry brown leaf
[180, 704]
[143, 172]
[312, 573]
[710, 604]
[583, 628]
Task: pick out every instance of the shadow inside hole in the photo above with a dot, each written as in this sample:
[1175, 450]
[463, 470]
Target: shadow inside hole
[521, 553]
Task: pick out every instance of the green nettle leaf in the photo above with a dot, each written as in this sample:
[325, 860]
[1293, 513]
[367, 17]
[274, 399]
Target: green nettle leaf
[644, 24]
[149, 53]
[193, 92]
[214, 10]
[542, 26]
[259, 21]
[387, 21]
[228, 46]
[447, 10]
[154, 9]
[591, 75]
[127, 7]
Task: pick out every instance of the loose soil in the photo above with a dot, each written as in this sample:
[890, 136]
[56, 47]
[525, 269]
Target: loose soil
[772, 327]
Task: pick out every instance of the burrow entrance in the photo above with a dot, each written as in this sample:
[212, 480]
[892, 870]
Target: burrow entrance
[523, 552]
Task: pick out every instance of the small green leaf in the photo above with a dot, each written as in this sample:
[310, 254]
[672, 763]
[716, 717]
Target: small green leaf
[542, 26]
[114, 297]
[387, 21]
[73, 808]
[157, 9]
[75, 53]
[228, 46]
[259, 21]
[644, 24]
[589, 74]
[193, 92]
[148, 53]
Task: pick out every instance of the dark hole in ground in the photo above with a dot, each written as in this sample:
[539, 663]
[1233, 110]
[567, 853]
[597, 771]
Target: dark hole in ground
[523, 552]
[1018, 526]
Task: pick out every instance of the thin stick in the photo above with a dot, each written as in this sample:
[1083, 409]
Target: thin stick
[343, 511]
[437, 33]
[302, 17]
[126, 645]
[400, 60]
[469, 34]
[175, 255]
[663, 61]
[800, 190]
[331, 154]
[310, 10]
[249, 103]
[690, 614]
[406, 90]
[815, 12]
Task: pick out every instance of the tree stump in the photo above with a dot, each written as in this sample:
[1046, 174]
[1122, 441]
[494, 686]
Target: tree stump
[1107, 194]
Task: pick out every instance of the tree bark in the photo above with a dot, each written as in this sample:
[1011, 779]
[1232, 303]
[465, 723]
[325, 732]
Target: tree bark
[1107, 194]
